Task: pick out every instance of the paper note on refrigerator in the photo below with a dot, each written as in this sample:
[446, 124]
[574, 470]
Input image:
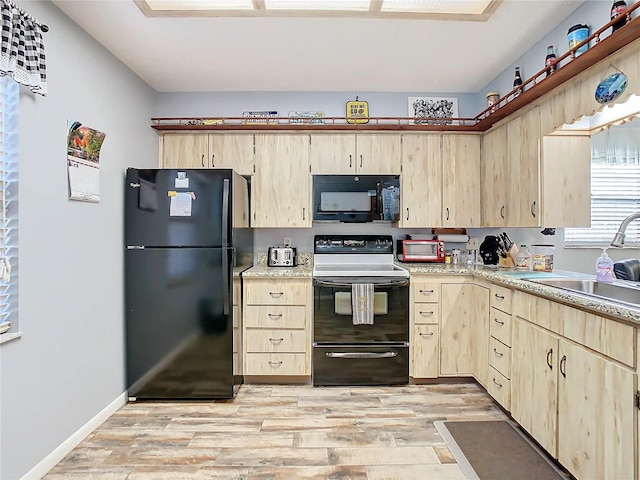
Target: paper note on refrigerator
[180, 205]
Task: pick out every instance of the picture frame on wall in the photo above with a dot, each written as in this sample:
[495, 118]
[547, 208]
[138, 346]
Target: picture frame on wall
[433, 110]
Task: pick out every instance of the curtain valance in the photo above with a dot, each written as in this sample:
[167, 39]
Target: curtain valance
[22, 54]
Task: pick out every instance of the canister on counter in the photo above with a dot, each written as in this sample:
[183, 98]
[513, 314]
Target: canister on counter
[542, 257]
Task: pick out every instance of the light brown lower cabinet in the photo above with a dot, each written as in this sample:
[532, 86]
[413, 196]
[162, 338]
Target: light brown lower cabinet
[277, 326]
[576, 403]
[464, 330]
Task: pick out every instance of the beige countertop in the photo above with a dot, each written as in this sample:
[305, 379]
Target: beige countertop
[513, 278]
[508, 277]
[304, 268]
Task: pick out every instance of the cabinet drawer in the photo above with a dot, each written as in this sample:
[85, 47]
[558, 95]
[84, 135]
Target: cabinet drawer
[424, 352]
[500, 357]
[500, 326]
[499, 387]
[259, 340]
[425, 313]
[276, 364]
[425, 292]
[501, 298]
[276, 316]
[277, 292]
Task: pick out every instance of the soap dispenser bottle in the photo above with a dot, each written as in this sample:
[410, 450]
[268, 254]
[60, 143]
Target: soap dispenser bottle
[604, 267]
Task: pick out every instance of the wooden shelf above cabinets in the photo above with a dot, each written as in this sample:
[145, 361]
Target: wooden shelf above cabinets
[568, 66]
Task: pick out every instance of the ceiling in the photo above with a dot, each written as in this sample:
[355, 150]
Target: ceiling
[341, 54]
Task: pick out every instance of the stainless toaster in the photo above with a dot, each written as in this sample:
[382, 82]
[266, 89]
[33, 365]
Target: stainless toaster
[282, 257]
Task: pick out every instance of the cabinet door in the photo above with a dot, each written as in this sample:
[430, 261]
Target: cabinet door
[534, 383]
[524, 167]
[421, 181]
[424, 351]
[566, 181]
[282, 183]
[460, 185]
[184, 150]
[494, 183]
[595, 415]
[378, 153]
[332, 153]
[231, 150]
[464, 330]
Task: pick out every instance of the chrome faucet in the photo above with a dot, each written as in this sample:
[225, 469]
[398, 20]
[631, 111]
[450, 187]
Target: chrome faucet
[618, 240]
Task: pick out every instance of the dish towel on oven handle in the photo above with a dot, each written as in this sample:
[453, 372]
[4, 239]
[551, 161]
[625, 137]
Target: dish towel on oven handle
[362, 303]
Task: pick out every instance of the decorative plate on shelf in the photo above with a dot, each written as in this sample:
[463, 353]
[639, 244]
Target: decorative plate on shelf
[611, 87]
[4, 327]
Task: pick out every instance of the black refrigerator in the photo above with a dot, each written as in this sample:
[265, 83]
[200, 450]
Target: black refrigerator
[187, 238]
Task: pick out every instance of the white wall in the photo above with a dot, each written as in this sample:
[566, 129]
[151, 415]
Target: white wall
[69, 363]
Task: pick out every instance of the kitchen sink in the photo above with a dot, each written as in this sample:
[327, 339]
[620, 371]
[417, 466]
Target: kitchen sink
[620, 291]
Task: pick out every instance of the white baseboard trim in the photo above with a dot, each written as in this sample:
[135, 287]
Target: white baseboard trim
[51, 460]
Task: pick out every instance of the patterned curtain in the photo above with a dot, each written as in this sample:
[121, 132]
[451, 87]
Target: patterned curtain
[21, 49]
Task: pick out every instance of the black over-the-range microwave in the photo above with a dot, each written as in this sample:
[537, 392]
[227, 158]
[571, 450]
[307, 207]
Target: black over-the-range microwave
[356, 198]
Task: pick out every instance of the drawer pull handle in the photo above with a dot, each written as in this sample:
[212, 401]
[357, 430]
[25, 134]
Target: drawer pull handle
[277, 364]
[550, 358]
[499, 385]
[426, 291]
[498, 321]
[276, 340]
[275, 316]
[498, 353]
[276, 294]
[430, 334]
[501, 297]
[427, 313]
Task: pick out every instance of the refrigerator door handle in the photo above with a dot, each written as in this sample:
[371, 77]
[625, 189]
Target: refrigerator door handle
[226, 284]
[225, 213]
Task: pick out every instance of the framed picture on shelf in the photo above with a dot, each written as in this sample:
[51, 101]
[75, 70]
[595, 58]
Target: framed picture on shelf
[433, 110]
[252, 118]
[306, 117]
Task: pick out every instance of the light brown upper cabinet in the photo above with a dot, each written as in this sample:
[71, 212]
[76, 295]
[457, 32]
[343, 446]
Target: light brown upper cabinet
[231, 150]
[200, 150]
[495, 178]
[281, 186]
[523, 186]
[348, 153]
[461, 180]
[566, 181]
[421, 180]
[184, 150]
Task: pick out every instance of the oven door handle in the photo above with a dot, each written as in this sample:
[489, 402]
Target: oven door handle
[390, 354]
[391, 283]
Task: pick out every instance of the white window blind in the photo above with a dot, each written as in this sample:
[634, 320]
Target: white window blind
[8, 200]
[615, 189]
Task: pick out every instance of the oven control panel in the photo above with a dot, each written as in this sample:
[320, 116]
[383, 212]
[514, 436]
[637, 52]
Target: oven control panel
[353, 244]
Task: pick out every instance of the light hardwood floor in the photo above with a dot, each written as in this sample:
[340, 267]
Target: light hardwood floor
[283, 432]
